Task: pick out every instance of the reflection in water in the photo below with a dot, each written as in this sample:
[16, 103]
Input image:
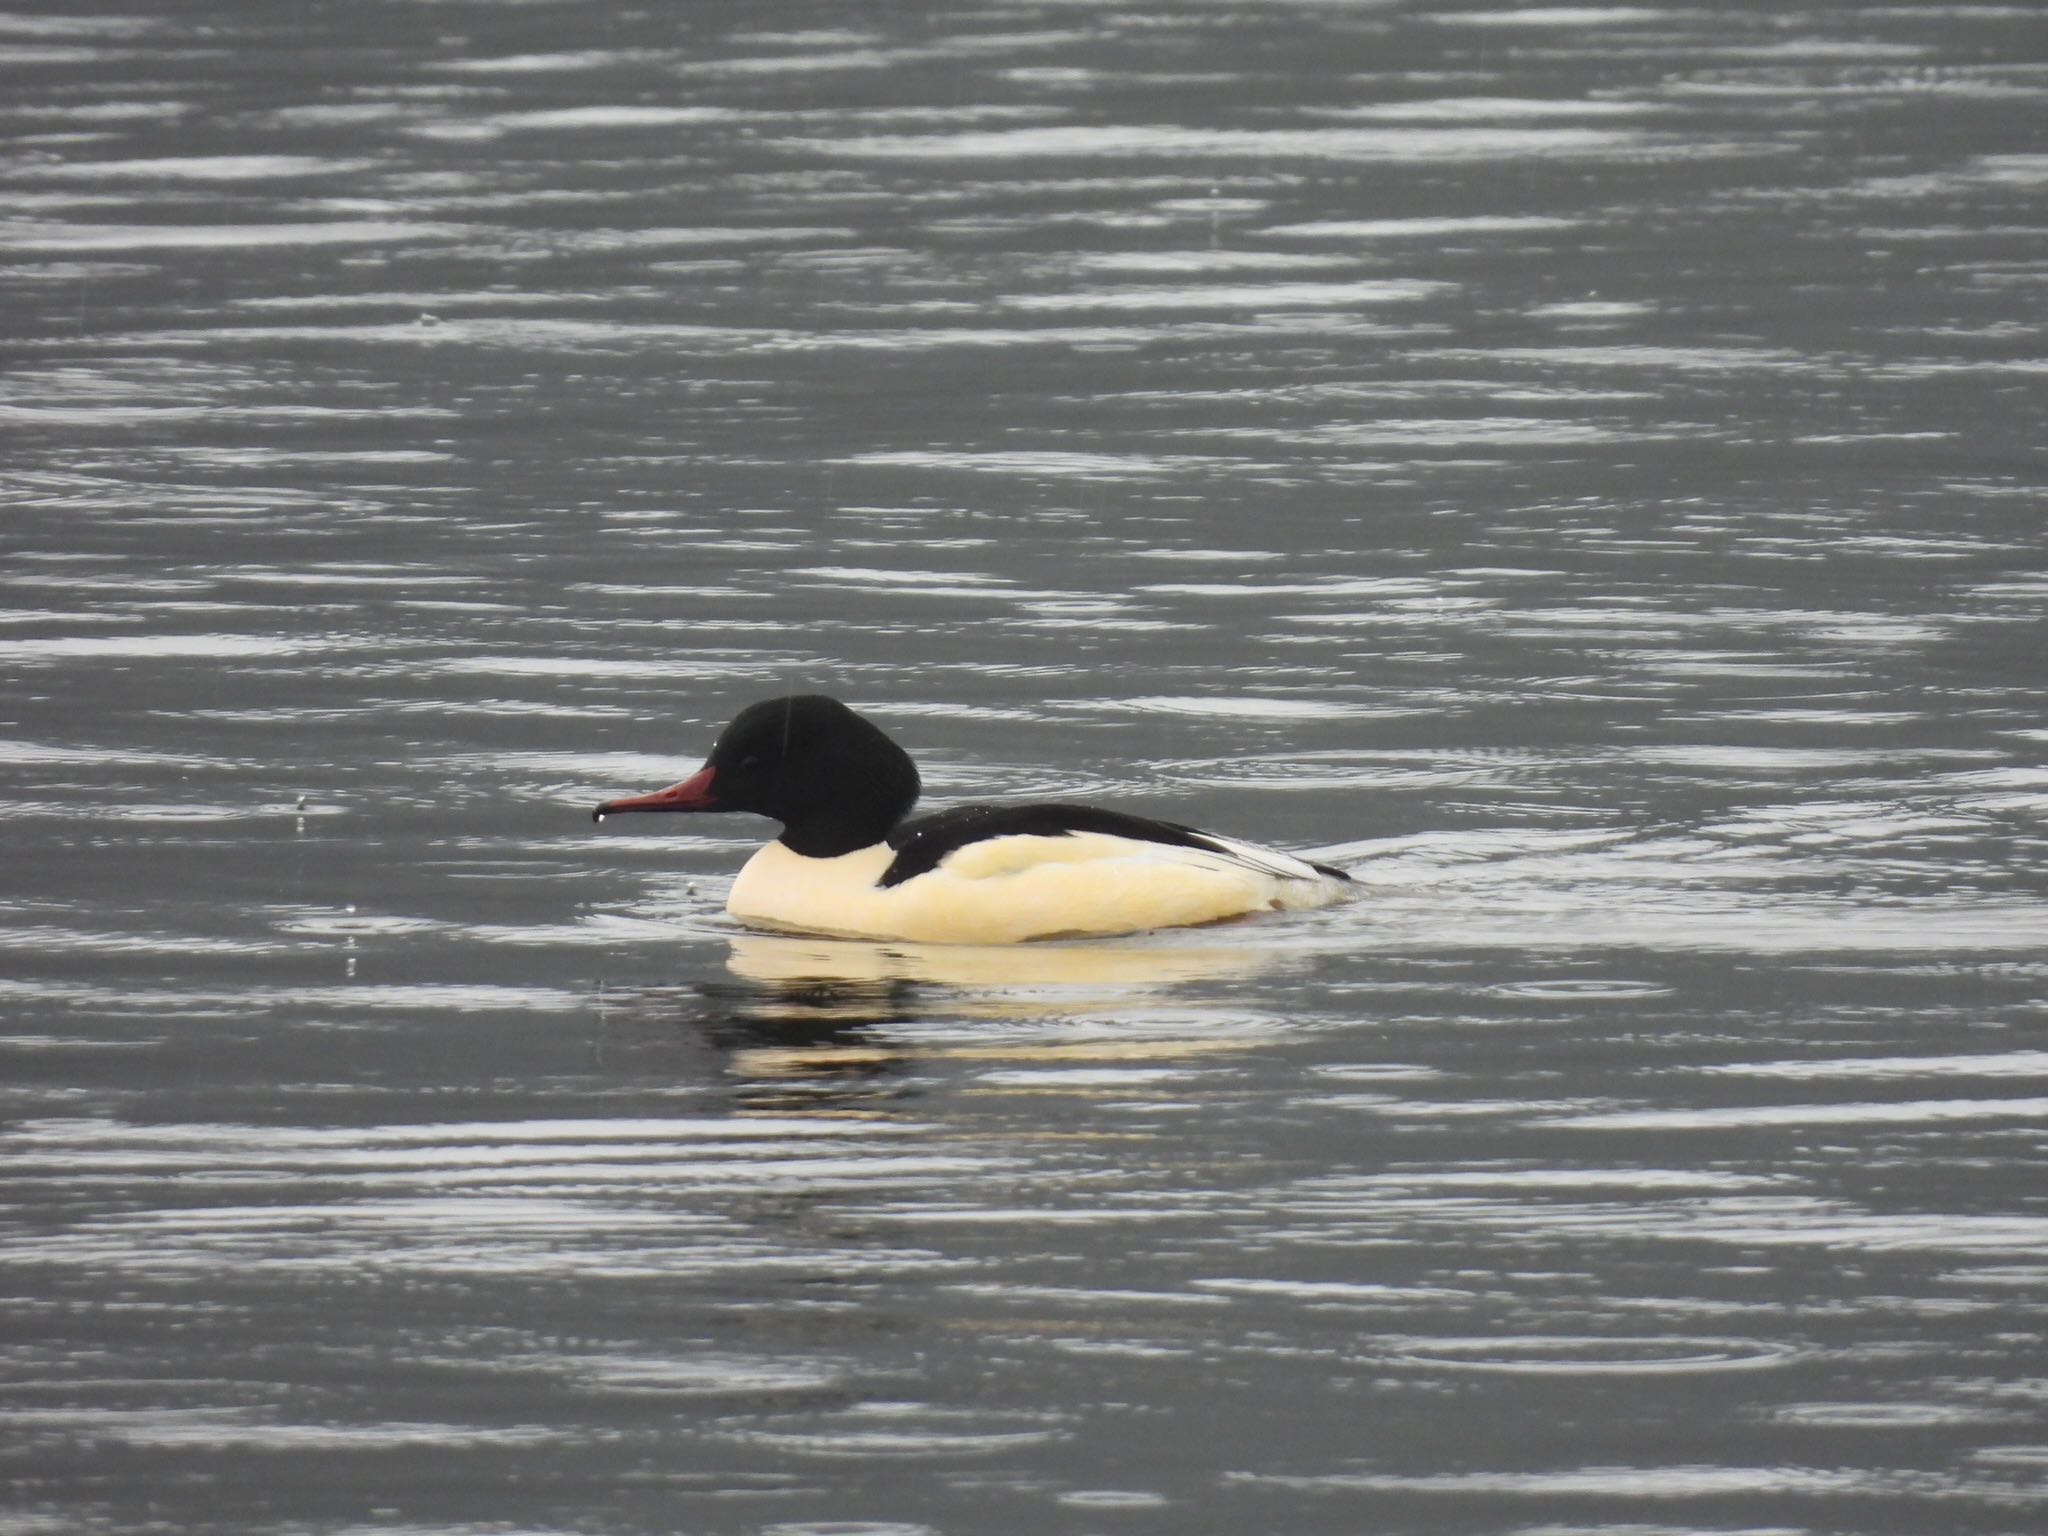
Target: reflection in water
[1010, 980]
[806, 1022]
[807, 1039]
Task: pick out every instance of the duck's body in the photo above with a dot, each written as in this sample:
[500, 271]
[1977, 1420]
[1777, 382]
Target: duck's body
[1015, 886]
[849, 865]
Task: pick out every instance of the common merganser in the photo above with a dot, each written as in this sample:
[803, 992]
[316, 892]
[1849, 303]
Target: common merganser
[849, 866]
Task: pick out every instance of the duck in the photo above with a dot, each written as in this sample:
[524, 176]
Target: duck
[852, 863]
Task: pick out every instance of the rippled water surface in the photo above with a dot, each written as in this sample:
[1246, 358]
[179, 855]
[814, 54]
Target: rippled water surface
[1579, 466]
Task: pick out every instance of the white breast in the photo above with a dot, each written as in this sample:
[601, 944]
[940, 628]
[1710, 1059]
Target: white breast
[1004, 890]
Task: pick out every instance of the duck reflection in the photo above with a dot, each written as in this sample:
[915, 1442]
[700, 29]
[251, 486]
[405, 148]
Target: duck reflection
[823, 1023]
[1007, 971]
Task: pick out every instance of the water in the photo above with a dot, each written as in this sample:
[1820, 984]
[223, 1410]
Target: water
[1579, 466]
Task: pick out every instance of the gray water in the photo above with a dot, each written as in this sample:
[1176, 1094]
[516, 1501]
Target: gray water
[1580, 467]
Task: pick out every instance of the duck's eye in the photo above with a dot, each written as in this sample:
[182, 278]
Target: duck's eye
[750, 761]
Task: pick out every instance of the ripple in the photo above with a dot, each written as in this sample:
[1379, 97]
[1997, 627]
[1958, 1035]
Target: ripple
[1243, 707]
[253, 1429]
[1881, 1415]
[700, 1375]
[1336, 586]
[1132, 141]
[1149, 262]
[24, 753]
[1064, 464]
[908, 582]
[431, 997]
[1471, 109]
[31, 24]
[1560, 17]
[1595, 310]
[25, 236]
[2004, 1064]
[192, 168]
[177, 646]
[1660, 1483]
[555, 119]
[563, 1198]
[1236, 296]
[906, 1431]
[1497, 431]
[1565, 1355]
[1351, 1293]
[1113, 1498]
[1086, 1081]
[539, 63]
[1577, 989]
[57, 939]
[1751, 1116]
[757, 666]
[1637, 356]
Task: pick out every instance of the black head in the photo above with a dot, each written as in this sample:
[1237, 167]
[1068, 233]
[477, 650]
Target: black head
[834, 780]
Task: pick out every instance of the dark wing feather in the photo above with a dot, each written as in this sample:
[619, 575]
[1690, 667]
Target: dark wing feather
[922, 845]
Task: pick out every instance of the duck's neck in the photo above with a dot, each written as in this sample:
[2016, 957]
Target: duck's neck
[862, 810]
[829, 837]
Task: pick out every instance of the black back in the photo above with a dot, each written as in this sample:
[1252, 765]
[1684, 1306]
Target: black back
[921, 845]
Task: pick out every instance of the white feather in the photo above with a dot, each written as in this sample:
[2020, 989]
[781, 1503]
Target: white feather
[1002, 890]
